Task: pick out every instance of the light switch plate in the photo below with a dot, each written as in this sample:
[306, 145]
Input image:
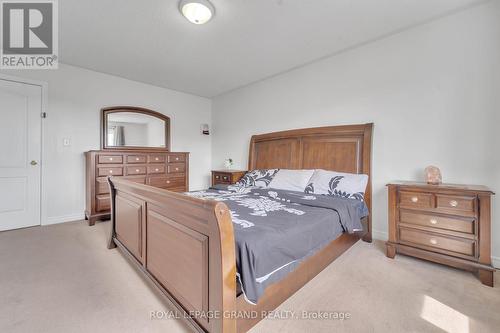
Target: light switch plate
[66, 142]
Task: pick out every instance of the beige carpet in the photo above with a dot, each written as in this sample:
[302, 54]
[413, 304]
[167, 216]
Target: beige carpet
[61, 278]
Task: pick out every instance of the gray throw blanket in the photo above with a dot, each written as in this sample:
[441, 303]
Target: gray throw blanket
[275, 230]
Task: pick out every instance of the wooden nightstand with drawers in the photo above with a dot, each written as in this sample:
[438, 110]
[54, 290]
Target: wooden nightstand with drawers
[448, 224]
[226, 177]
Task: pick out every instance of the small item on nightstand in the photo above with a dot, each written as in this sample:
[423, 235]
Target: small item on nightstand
[228, 163]
[433, 175]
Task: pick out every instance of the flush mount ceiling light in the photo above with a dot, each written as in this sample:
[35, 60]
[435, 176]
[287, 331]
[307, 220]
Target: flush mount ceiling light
[197, 11]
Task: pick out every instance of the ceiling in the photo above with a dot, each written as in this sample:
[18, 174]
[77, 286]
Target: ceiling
[247, 40]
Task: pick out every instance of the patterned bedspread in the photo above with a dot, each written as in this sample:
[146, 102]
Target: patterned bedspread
[275, 230]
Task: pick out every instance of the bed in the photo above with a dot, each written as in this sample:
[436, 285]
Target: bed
[185, 245]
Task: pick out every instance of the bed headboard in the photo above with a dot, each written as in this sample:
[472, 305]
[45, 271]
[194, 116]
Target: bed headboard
[338, 148]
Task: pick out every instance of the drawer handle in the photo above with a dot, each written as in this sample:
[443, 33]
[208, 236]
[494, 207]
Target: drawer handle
[453, 203]
[176, 169]
[414, 199]
[110, 171]
[225, 177]
[176, 158]
[136, 170]
[433, 241]
[156, 169]
[156, 159]
[433, 221]
[217, 177]
[168, 181]
[111, 158]
[137, 158]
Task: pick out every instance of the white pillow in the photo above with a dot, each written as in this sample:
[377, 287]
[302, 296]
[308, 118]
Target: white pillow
[346, 185]
[291, 180]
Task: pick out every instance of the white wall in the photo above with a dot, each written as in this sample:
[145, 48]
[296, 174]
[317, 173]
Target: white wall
[432, 92]
[75, 98]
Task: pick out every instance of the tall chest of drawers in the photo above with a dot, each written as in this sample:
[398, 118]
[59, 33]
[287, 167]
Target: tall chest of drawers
[161, 169]
[448, 224]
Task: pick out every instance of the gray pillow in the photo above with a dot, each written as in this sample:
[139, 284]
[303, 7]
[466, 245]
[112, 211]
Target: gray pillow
[259, 178]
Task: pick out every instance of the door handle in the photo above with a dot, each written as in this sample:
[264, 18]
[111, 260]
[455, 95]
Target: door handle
[33, 162]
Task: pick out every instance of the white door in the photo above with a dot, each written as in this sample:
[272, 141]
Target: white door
[20, 153]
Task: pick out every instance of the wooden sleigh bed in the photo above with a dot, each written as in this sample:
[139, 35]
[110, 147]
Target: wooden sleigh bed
[185, 246]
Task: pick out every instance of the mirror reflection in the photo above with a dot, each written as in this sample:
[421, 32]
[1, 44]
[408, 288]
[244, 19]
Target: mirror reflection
[131, 129]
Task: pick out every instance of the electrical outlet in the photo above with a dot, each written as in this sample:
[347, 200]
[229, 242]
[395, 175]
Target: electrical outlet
[66, 142]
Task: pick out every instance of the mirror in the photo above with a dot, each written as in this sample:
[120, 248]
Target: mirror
[130, 127]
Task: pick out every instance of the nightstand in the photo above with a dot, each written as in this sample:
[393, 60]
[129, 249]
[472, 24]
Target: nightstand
[449, 224]
[226, 177]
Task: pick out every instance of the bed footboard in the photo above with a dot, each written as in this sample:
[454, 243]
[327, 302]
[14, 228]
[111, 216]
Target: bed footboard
[183, 245]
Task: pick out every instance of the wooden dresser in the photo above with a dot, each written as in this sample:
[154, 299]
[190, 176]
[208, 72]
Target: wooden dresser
[448, 224]
[152, 167]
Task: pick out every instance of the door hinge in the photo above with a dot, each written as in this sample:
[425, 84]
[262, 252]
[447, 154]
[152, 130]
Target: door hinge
[44, 114]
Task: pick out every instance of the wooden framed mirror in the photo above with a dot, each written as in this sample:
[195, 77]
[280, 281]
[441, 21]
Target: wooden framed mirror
[128, 127]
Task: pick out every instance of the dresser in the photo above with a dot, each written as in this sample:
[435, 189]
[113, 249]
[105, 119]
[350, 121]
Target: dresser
[226, 177]
[448, 224]
[151, 167]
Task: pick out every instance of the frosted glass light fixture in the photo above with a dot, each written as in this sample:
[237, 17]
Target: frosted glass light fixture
[197, 11]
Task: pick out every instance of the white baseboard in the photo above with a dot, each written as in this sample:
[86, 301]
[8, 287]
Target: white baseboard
[380, 235]
[495, 262]
[63, 219]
